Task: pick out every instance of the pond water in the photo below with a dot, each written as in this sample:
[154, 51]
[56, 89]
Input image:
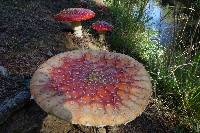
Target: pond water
[161, 21]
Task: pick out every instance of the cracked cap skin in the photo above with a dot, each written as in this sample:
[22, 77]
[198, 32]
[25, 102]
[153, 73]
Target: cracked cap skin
[92, 88]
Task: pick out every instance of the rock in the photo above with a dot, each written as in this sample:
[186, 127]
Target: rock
[3, 71]
[49, 53]
[2, 50]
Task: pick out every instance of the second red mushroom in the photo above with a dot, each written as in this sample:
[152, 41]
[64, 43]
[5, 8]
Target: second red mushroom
[102, 27]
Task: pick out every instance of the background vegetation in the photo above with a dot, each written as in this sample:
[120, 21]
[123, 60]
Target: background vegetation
[174, 68]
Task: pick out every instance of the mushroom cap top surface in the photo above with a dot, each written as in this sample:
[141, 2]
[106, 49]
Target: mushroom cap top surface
[92, 88]
[102, 26]
[74, 15]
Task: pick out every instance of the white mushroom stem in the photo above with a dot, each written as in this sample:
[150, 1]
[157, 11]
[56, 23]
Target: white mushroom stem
[102, 36]
[77, 27]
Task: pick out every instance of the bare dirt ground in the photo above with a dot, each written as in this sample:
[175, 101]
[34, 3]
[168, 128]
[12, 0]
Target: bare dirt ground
[28, 37]
[31, 119]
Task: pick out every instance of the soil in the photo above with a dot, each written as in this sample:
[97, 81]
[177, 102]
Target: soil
[28, 37]
[31, 119]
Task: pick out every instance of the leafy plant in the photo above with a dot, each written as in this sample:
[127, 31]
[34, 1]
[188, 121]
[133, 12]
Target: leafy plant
[175, 68]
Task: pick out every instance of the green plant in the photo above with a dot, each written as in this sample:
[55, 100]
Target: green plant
[126, 26]
[175, 69]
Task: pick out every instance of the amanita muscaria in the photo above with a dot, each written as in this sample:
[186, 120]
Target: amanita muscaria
[102, 27]
[92, 88]
[75, 16]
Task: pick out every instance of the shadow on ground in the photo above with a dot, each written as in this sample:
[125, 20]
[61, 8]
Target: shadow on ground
[31, 119]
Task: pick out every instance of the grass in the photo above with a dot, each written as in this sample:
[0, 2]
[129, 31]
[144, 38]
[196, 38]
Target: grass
[175, 68]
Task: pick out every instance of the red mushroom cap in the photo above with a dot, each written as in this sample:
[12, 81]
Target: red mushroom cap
[92, 88]
[74, 15]
[102, 26]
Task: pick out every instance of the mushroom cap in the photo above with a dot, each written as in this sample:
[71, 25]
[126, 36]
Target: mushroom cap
[74, 15]
[102, 26]
[92, 88]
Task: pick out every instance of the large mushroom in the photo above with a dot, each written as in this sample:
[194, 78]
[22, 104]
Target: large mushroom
[75, 16]
[92, 88]
[102, 27]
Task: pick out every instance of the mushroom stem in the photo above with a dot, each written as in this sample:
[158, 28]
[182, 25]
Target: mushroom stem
[77, 27]
[102, 36]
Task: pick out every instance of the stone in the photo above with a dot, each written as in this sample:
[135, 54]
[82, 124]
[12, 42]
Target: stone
[3, 71]
[49, 53]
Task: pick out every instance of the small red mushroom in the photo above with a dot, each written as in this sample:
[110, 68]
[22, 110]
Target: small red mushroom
[102, 27]
[75, 16]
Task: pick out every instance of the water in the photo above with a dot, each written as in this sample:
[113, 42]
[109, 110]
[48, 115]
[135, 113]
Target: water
[161, 21]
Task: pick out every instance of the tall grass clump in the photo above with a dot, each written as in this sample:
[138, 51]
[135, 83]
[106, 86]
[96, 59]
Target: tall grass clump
[175, 68]
[128, 28]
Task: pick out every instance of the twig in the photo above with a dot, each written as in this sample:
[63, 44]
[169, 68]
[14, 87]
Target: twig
[10, 105]
[176, 67]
